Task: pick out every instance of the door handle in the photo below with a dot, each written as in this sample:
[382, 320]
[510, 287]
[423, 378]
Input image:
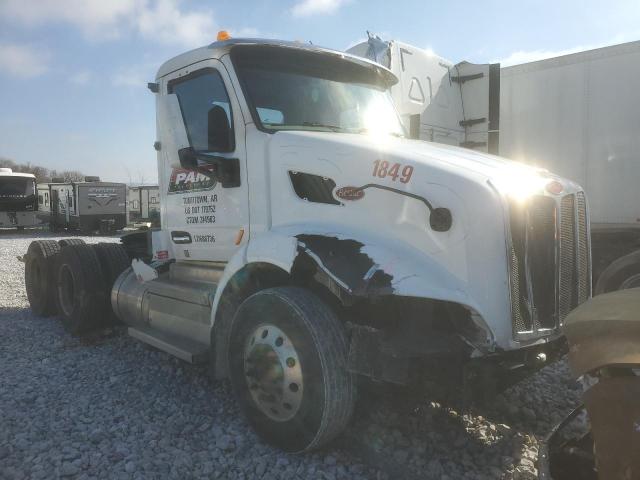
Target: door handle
[181, 237]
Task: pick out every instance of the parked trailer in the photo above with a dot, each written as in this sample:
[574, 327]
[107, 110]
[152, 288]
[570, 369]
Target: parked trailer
[576, 115]
[305, 242]
[18, 201]
[143, 204]
[88, 206]
[43, 215]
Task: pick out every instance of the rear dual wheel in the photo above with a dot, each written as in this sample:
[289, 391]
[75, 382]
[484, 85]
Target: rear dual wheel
[80, 289]
[288, 367]
[74, 280]
[39, 276]
[85, 275]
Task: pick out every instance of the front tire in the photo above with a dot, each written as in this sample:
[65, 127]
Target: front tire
[288, 367]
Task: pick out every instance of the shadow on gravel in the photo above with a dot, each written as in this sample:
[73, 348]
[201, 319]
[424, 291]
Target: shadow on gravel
[433, 434]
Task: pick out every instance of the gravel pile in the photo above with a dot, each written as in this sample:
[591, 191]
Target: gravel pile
[110, 407]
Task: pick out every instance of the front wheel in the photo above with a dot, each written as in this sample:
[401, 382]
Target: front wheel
[288, 367]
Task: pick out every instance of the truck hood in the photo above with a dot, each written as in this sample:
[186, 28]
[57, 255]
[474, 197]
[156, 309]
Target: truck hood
[418, 151]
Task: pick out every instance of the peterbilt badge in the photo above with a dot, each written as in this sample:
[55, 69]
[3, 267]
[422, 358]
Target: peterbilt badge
[349, 193]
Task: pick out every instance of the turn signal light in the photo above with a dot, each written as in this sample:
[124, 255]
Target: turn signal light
[554, 187]
[223, 35]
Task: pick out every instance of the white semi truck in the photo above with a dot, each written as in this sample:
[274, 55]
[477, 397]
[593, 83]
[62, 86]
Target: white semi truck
[575, 115]
[18, 200]
[305, 240]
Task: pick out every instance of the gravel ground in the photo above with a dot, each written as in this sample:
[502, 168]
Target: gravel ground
[110, 407]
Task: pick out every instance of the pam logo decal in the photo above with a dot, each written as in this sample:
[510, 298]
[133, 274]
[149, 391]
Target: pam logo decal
[187, 181]
[350, 193]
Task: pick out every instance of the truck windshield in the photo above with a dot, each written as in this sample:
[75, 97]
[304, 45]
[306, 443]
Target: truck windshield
[299, 90]
[16, 187]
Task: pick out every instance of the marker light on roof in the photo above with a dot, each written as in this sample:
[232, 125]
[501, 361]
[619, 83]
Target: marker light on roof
[223, 35]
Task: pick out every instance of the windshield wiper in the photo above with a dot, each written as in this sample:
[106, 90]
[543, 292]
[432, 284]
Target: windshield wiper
[335, 128]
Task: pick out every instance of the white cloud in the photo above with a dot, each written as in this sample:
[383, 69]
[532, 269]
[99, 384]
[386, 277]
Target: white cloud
[163, 21]
[129, 78]
[23, 61]
[158, 20]
[307, 8]
[81, 78]
[95, 18]
[136, 75]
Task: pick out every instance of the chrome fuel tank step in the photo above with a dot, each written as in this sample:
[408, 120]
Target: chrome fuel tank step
[172, 312]
[186, 350]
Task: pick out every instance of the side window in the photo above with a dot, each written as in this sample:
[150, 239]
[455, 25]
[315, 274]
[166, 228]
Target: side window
[270, 116]
[40, 199]
[206, 110]
[46, 198]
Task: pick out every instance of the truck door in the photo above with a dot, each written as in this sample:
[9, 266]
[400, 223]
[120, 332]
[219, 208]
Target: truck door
[479, 86]
[207, 219]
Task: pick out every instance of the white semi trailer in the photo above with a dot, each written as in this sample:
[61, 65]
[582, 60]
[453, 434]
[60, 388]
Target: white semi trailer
[576, 115]
[305, 240]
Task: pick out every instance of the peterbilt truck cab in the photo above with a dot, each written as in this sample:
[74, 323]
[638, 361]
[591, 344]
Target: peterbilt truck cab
[307, 241]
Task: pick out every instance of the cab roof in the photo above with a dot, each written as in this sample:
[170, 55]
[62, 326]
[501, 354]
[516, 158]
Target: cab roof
[218, 49]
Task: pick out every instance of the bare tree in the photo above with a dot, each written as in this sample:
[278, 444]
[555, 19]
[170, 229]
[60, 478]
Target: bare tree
[42, 174]
[72, 176]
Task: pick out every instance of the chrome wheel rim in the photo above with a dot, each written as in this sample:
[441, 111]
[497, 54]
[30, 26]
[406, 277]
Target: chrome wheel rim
[273, 372]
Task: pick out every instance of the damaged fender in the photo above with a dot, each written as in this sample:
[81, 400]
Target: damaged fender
[360, 267]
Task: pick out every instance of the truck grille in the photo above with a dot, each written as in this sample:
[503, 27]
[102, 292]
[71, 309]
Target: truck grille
[549, 261]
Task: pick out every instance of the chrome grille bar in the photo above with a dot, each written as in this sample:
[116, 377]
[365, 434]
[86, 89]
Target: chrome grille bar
[550, 271]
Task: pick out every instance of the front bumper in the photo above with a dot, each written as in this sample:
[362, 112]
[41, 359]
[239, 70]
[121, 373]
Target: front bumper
[488, 375]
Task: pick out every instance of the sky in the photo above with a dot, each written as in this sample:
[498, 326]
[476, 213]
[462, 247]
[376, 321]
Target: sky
[73, 73]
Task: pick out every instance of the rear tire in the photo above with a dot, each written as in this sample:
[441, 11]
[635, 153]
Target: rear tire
[39, 276]
[80, 289]
[71, 241]
[621, 274]
[113, 260]
[288, 368]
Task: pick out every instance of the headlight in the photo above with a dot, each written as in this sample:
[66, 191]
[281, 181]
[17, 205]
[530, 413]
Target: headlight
[519, 183]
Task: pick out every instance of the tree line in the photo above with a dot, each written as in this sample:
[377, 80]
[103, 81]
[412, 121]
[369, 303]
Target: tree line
[42, 174]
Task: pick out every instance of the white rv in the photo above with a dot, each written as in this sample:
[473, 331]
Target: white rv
[88, 206]
[18, 202]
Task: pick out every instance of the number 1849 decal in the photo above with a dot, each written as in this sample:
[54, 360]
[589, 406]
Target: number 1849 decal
[383, 169]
